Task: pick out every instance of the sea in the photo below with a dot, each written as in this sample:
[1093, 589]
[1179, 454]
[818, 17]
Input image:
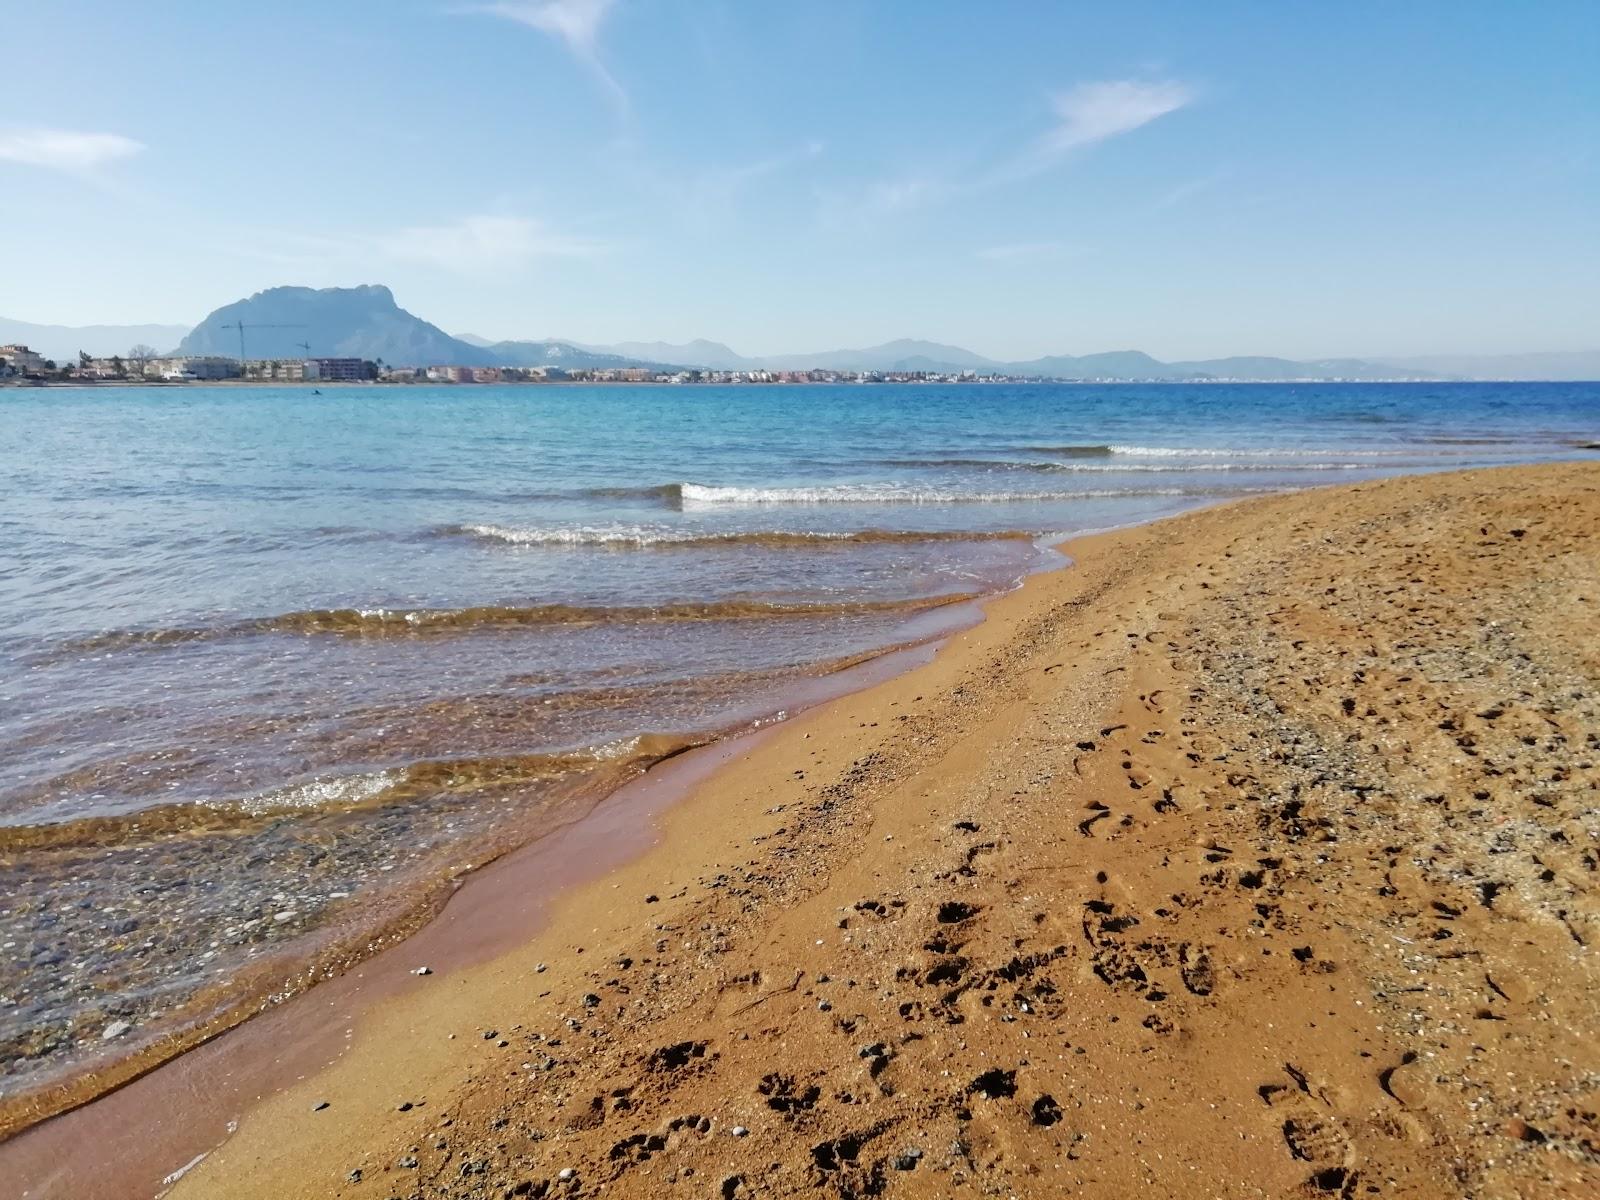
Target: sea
[278, 666]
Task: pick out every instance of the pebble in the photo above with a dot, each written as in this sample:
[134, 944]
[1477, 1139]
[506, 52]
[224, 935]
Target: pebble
[423, 971]
[116, 1029]
[740, 1131]
[566, 1173]
[319, 1106]
[1522, 1131]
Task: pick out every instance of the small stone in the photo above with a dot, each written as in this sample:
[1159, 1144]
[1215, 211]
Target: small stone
[740, 1131]
[423, 971]
[1522, 1131]
[354, 1176]
[319, 1106]
[566, 1173]
[404, 1106]
[824, 1006]
[539, 970]
[409, 1162]
[590, 1000]
[116, 1029]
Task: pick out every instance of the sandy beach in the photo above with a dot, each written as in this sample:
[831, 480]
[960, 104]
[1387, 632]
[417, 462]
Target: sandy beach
[1253, 855]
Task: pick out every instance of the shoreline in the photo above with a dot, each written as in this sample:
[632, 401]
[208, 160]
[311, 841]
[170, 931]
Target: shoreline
[980, 690]
[394, 920]
[615, 829]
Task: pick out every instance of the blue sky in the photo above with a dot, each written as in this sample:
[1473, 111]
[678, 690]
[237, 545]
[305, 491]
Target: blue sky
[1018, 178]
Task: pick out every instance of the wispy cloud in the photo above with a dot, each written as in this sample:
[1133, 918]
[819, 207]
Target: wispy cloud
[712, 195]
[65, 150]
[1083, 116]
[865, 205]
[476, 245]
[1019, 250]
[1188, 189]
[574, 22]
[482, 243]
[1093, 112]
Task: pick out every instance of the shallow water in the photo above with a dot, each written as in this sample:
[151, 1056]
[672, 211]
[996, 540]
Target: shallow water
[273, 665]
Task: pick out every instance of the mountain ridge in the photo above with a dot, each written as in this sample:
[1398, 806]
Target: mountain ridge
[366, 322]
[63, 343]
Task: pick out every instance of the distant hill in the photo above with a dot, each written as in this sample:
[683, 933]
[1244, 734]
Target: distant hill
[63, 342]
[1573, 366]
[358, 322]
[910, 355]
[698, 353]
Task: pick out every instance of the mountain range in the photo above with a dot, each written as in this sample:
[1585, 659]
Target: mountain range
[366, 322]
[63, 342]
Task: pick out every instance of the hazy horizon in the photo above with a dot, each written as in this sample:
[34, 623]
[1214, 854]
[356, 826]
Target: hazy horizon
[1243, 180]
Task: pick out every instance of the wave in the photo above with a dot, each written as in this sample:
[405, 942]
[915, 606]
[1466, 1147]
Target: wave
[635, 537]
[330, 794]
[697, 495]
[1249, 452]
[1084, 451]
[426, 622]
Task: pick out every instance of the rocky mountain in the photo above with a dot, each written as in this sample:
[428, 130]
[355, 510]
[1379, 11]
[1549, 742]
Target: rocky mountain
[357, 322]
[63, 342]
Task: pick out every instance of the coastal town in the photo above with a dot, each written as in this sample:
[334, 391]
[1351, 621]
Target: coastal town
[20, 365]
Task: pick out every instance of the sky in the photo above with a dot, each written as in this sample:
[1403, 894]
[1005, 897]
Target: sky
[1192, 180]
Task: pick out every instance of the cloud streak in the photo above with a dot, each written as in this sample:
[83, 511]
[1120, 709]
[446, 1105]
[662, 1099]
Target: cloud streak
[477, 244]
[576, 23]
[1084, 116]
[1093, 112]
[65, 150]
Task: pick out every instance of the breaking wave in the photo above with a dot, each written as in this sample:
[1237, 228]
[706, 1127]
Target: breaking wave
[426, 622]
[1129, 468]
[639, 537]
[693, 495]
[347, 792]
[1246, 452]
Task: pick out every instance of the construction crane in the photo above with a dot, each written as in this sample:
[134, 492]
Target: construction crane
[241, 326]
[306, 346]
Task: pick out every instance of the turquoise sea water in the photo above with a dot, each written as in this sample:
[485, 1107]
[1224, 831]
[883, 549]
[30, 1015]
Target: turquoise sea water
[272, 663]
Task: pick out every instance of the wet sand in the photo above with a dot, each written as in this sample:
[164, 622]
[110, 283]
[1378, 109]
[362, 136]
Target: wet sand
[1253, 856]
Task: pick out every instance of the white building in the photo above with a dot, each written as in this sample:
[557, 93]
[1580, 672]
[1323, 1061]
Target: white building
[23, 361]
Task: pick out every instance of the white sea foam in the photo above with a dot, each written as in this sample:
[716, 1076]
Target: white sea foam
[1192, 467]
[334, 791]
[606, 535]
[1245, 452]
[696, 495]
